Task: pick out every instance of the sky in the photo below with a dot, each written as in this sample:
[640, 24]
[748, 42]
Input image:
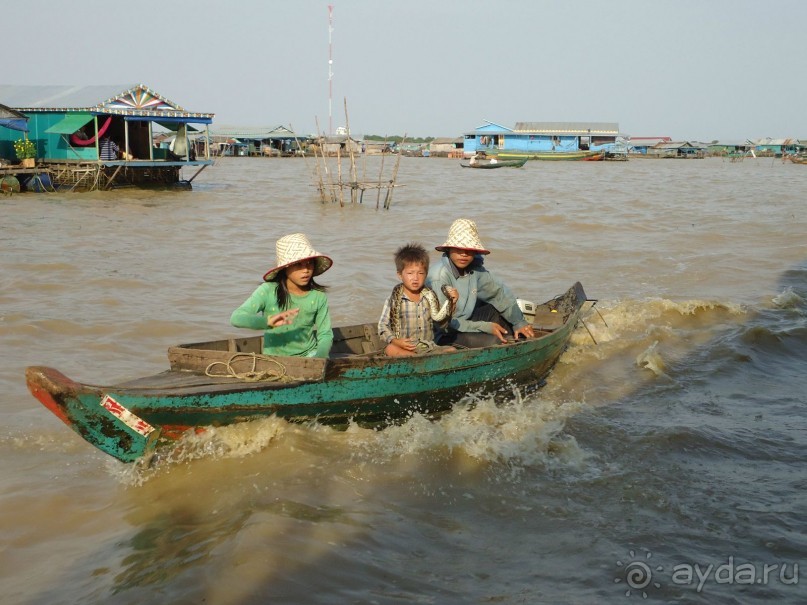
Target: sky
[698, 70]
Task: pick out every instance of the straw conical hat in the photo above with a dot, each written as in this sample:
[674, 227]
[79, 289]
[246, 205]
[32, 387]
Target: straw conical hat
[292, 249]
[464, 235]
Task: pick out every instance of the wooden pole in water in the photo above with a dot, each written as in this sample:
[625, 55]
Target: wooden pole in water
[339, 180]
[331, 186]
[353, 174]
[325, 164]
[388, 200]
[305, 161]
[321, 183]
[380, 174]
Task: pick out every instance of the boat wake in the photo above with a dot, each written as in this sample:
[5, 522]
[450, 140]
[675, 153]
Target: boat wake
[478, 433]
[632, 345]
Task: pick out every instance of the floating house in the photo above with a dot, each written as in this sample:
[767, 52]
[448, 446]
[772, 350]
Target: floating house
[259, 141]
[731, 148]
[376, 147]
[777, 147]
[446, 148]
[544, 140]
[339, 145]
[639, 145]
[72, 128]
[678, 150]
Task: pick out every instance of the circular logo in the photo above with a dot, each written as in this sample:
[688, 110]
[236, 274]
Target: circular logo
[637, 574]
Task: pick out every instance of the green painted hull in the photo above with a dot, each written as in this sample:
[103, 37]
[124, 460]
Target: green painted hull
[545, 155]
[128, 421]
[518, 163]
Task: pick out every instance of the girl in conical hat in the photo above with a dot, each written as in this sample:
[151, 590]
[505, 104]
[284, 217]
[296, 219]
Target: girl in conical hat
[289, 305]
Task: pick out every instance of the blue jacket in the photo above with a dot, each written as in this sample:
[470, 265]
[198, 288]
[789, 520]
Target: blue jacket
[476, 285]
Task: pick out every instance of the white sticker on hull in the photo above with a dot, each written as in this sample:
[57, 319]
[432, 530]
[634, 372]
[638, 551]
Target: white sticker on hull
[125, 416]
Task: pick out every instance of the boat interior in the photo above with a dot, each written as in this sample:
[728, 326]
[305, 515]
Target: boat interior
[244, 355]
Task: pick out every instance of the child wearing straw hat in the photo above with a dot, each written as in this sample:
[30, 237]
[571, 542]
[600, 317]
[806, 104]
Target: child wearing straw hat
[290, 306]
[487, 311]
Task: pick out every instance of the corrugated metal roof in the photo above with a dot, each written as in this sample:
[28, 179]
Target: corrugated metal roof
[253, 132]
[569, 128]
[647, 141]
[7, 112]
[13, 119]
[681, 145]
[736, 143]
[770, 141]
[121, 99]
[67, 97]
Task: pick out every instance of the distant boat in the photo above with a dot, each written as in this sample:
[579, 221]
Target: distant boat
[797, 159]
[545, 155]
[496, 164]
[595, 158]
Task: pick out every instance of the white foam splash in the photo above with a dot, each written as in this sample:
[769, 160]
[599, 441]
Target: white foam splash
[788, 299]
[521, 432]
[651, 359]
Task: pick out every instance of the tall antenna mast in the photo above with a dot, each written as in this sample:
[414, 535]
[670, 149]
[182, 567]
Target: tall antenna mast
[330, 70]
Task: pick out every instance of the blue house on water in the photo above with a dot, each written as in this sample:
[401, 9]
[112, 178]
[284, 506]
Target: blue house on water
[544, 140]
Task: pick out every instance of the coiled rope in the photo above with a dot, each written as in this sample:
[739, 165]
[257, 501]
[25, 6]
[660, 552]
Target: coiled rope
[252, 375]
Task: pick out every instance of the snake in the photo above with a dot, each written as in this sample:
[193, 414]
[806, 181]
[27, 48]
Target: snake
[438, 313]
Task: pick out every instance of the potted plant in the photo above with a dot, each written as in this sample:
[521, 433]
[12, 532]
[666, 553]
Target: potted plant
[26, 152]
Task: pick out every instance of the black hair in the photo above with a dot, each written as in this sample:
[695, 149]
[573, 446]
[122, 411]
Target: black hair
[410, 254]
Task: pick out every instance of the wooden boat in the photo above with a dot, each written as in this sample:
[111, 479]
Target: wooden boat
[595, 158]
[497, 164]
[797, 159]
[218, 383]
[545, 155]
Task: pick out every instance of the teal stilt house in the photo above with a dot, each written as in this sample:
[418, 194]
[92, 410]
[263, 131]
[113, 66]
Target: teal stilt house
[71, 127]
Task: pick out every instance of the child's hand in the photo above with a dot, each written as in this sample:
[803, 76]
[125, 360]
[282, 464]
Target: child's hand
[283, 318]
[498, 331]
[405, 343]
[453, 294]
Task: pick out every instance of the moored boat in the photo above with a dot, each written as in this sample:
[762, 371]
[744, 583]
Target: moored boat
[547, 155]
[496, 164]
[595, 158]
[228, 381]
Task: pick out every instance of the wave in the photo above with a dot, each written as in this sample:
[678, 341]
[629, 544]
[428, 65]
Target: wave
[478, 434]
[627, 349]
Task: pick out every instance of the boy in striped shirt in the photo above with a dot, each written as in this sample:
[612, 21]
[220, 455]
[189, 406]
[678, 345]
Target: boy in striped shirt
[407, 320]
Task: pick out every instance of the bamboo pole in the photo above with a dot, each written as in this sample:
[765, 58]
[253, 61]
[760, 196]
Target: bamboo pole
[305, 160]
[339, 180]
[353, 174]
[329, 172]
[380, 174]
[321, 184]
[388, 200]
[331, 190]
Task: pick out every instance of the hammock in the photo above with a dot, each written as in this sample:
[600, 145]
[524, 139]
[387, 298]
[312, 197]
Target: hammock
[74, 140]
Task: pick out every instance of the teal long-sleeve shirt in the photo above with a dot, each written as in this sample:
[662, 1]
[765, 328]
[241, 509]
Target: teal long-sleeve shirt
[476, 284]
[310, 335]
